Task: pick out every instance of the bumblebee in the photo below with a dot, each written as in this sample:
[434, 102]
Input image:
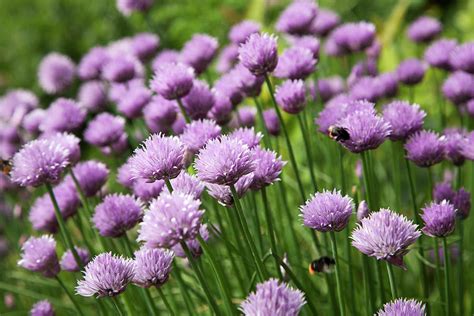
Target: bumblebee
[5, 167]
[338, 133]
[322, 265]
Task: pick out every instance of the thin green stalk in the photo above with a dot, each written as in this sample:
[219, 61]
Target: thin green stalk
[128, 245]
[351, 275]
[62, 226]
[71, 297]
[233, 220]
[368, 284]
[266, 138]
[391, 280]
[396, 176]
[271, 231]
[461, 268]
[117, 305]
[379, 276]
[430, 182]
[165, 301]
[183, 289]
[341, 170]
[183, 111]
[287, 139]
[447, 270]
[438, 270]
[82, 196]
[257, 222]
[168, 185]
[201, 278]
[309, 155]
[442, 106]
[338, 273]
[221, 279]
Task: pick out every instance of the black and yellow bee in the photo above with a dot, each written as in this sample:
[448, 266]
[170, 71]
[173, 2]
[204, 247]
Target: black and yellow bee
[322, 265]
[338, 133]
[5, 167]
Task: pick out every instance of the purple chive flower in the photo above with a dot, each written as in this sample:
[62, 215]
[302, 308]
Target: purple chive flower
[188, 184]
[160, 157]
[291, 96]
[63, 115]
[250, 85]
[334, 110]
[127, 7]
[97, 135]
[199, 100]
[160, 114]
[366, 88]
[388, 84]
[224, 161]
[309, 42]
[91, 175]
[374, 50]
[193, 244]
[39, 161]
[39, 255]
[42, 308]
[248, 136]
[69, 263]
[402, 306]
[297, 18]
[239, 33]
[353, 37]
[68, 142]
[366, 130]
[133, 102]
[327, 88]
[273, 298]
[454, 140]
[171, 219]
[437, 54]
[230, 86]
[42, 215]
[362, 69]
[197, 133]
[32, 121]
[453, 253]
[165, 56]
[439, 219]
[228, 57]
[462, 203]
[410, 71]
[443, 191]
[259, 53]
[295, 63]
[172, 80]
[152, 267]
[244, 117]
[221, 193]
[469, 106]
[92, 96]
[178, 125]
[56, 73]
[147, 191]
[199, 52]
[424, 29]
[119, 68]
[124, 175]
[268, 167]
[459, 87]
[425, 148]
[106, 275]
[325, 22]
[272, 123]
[462, 58]
[385, 235]
[221, 112]
[468, 148]
[144, 45]
[90, 66]
[362, 211]
[327, 211]
[116, 214]
[404, 118]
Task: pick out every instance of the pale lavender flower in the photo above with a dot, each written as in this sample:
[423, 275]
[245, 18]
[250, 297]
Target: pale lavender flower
[127, 7]
[172, 80]
[228, 57]
[230, 86]
[362, 211]
[39, 255]
[239, 33]
[42, 308]
[221, 112]
[334, 110]
[297, 18]
[268, 167]
[272, 123]
[411, 71]
[92, 96]
[56, 73]
[178, 125]
[199, 51]
[171, 219]
[309, 42]
[424, 29]
[145, 45]
[327, 211]
[248, 136]
[353, 37]
[193, 244]
[439, 219]
[91, 175]
[69, 263]
[63, 115]
[159, 157]
[328, 88]
[462, 58]
[273, 298]
[133, 102]
[437, 54]
[404, 118]
[38, 162]
[295, 63]
[250, 85]
[197, 133]
[244, 117]
[364, 68]
[462, 203]
[443, 191]
[97, 135]
[374, 50]
[90, 66]
[199, 100]
[454, 140]
[469, 107]
[147, 191]
[224, 161]
[403, 307]
[188, 184]
[385, 235]
[221, 193]
[32, 121]
[116, 214]
[106, 275]
[68, 142]
[388, 84]
[259, 53]
[366, 88]
[120, 68]
[291, 96]
[160, 114]
[425, 148]
[124, 175]
[459, 87]
[165, 56]
[325, 22]
[152, 267]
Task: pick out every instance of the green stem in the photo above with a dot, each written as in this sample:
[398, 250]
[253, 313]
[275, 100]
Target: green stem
[341, 170]
[183, 111]
[168, 185]
[460, 269]
[338, 273]
[287, 138]
[379, 276]
[71, 297]
[201, 278]
[127, 244]
[266, 138]
[442, 107]
[396, 175]
[82, 196]
[233, 220]
[369, 291]
[309, 155]
[351, 275]
[257, 222]
[117, 305]
[271, 231]
[391, 279]
[150, 304]
[438, 270]
[447, 282]
[62, 226]
[165, 301]
[183, 289]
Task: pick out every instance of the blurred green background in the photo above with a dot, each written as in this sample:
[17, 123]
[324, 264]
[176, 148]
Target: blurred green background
[31, 28]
